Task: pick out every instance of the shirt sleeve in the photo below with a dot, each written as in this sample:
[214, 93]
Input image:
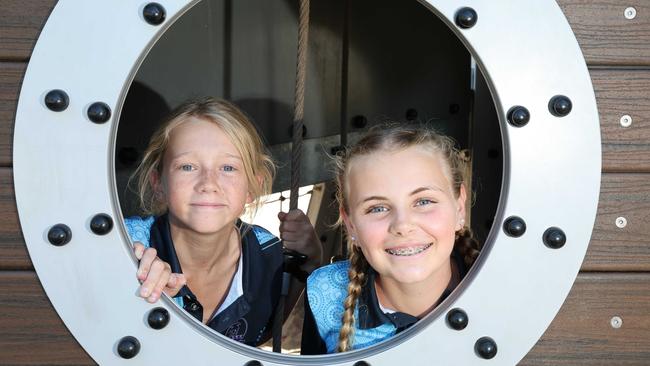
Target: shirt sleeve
[311, 343]
[139, 229]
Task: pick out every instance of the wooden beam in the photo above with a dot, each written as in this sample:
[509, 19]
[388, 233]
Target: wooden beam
[20, 24]
[619, 93]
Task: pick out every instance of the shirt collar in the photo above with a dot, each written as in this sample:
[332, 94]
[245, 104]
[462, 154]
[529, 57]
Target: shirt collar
[252, 260]
[370, 313]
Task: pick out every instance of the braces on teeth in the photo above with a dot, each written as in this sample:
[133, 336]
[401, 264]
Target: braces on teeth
[408, 251]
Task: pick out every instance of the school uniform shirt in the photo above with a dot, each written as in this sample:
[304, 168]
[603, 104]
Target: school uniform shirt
[246, 314]
[327, 288]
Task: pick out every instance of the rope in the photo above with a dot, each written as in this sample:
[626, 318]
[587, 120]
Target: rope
[296, 154]
[299, 103]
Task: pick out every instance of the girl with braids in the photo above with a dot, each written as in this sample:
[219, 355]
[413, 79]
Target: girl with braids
[401, 195]
[203, 167]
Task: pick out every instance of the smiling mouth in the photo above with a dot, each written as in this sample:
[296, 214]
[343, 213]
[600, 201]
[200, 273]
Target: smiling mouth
[404, 252]
[208, 205]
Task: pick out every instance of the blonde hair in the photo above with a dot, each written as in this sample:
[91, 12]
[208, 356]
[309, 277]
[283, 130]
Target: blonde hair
[393, 137]
[258, 165]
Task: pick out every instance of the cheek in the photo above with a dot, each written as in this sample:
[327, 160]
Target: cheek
[371, 232]
[175, 188]
[441, 225]
[173, 194]
[235, 186]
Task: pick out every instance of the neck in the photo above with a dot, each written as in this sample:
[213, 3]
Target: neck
[417, 299]
[201, 253]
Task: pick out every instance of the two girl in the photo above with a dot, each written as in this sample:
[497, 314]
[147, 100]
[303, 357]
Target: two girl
[401, 195]
[203, 167]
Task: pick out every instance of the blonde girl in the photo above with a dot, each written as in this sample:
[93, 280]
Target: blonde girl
[203, 167]
[401, 194]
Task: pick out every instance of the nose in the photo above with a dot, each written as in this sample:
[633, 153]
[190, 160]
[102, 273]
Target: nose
[209, 181]
[401, 224]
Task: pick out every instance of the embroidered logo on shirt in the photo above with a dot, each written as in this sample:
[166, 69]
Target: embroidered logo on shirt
[237, 331]
[265, 238]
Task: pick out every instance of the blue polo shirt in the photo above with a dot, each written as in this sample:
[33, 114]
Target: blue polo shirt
[249, 317]
[327, 288]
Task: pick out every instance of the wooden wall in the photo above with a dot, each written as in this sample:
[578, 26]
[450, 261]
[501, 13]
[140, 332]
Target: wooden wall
[615, 277]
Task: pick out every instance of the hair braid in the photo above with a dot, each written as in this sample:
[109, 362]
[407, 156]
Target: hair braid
[468, 247]
[357, 275]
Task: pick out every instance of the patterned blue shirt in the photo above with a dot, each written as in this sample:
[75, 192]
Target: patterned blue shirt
[327, 288]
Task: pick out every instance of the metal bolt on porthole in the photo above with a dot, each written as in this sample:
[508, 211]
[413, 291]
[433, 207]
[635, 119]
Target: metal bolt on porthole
[621, 222]
[626, 121]
[630, 13]
[616, 322]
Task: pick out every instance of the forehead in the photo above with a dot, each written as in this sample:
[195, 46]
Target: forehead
[397, 169]
[200, 135]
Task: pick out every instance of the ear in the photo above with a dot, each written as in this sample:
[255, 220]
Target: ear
[349, 227]
[155, 182]
[461, 203]
[249, 195]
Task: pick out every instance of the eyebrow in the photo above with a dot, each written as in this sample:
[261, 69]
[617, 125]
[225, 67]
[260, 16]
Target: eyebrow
[416, 191]
[229, 155]
[427, 188]
[374, 198]
[234, 156]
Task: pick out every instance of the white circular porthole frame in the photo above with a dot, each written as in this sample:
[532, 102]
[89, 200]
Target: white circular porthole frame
[64, 173]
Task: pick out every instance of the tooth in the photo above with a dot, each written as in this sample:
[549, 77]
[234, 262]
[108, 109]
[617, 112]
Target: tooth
[408, 251]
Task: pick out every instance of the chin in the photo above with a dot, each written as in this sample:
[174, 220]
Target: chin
[207, 228]
[412, 277]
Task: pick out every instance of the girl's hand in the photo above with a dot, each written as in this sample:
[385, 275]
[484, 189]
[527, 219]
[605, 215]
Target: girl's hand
[298, 234]
[155, 275]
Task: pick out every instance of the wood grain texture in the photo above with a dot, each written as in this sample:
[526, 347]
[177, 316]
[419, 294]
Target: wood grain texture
[605, 35]
[611, 248]
[31, 333]
[618, 93]
[621, 249]
[11, 75]
[20, 24]
[13, 252]
[581, 334]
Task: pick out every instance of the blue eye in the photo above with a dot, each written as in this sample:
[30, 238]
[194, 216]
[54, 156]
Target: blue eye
[186, 167]
[423, 201]
[377, 209]
[228, 168]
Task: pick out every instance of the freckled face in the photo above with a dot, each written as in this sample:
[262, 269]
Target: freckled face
[403, 213]
[203, 178]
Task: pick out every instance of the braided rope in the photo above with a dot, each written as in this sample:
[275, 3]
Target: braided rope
[299, 103]
[296, 150]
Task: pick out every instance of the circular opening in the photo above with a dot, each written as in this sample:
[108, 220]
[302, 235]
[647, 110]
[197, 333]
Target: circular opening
[360, 73]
